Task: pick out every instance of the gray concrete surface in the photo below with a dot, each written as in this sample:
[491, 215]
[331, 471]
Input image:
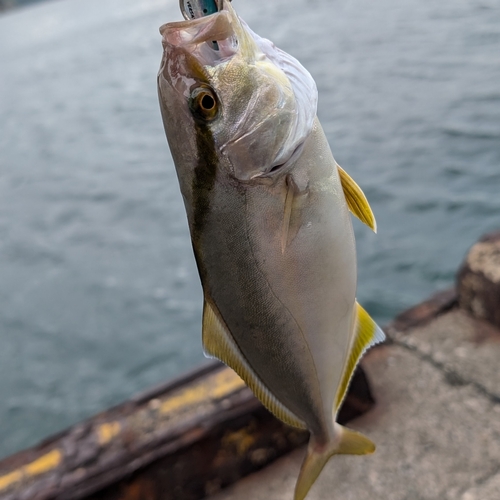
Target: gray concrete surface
[436, 424]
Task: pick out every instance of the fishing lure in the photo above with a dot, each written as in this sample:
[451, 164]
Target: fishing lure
[193, 9]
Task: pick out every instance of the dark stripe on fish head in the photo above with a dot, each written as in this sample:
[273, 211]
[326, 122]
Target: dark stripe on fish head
[203, 183]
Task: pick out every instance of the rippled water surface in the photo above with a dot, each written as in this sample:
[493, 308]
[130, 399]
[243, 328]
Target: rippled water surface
[99, 295]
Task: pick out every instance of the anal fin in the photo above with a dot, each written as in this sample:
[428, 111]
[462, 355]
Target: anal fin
[219, 343]
[356, 200]
[366, 334]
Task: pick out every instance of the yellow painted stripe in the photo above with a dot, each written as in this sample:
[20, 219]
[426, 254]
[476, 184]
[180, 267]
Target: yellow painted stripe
[44, 464]
[106, 432]
[225, 383]
[40, 466]
[7, 480]
[215, 387]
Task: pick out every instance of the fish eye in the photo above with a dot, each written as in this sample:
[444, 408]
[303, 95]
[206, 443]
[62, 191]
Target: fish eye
[207, 102]
[203, 103]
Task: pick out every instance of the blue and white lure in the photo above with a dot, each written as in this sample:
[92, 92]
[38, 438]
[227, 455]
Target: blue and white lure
[194, 9]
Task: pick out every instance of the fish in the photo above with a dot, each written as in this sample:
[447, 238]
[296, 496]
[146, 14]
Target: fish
[268, 210]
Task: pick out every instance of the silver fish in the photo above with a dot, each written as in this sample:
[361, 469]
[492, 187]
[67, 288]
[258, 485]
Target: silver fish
[268, 211]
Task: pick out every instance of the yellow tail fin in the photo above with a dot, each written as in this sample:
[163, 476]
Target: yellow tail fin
[348, 443]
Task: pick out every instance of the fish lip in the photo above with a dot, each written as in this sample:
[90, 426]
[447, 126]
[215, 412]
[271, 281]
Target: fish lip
[205, 42]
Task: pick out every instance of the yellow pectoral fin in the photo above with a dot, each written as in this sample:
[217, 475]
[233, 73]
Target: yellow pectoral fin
[356, 200]
[367, 334]
[219, 343]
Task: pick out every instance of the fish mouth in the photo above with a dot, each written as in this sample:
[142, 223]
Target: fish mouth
[209, 40]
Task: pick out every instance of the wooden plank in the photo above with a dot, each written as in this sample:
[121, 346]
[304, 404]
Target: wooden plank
[424, 312]
[182, 440]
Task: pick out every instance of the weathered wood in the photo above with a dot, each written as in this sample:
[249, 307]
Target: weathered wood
[478, 280]
[424, 312]
[183, 441]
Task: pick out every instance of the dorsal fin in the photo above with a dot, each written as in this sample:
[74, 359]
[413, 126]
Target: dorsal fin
[367, 334]
[356, 200]
[219, 343]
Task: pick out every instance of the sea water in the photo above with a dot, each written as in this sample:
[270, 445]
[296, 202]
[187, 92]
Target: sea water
[99, 293]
